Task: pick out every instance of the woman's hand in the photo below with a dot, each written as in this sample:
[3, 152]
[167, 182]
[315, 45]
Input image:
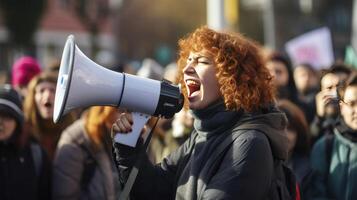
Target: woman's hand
[124, 124]
[323, 98]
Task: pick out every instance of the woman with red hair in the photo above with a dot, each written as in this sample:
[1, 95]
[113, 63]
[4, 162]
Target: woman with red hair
[83, 168]
[238, 133]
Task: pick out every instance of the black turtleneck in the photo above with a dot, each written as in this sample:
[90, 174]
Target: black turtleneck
[214, 119]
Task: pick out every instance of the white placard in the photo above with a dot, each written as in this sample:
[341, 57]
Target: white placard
[314, 47]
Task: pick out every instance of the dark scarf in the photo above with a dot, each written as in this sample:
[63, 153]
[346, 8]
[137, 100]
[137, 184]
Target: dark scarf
[346, 131]
[210, 124]
[7, 145]
[214, 119]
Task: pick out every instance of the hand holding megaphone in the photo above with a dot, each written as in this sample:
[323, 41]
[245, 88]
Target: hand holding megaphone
[125, 130]
[128, 127]
[82, 83]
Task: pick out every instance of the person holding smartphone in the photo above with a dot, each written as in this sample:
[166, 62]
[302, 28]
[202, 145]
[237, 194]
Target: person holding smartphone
[327, 108]
[334, 159]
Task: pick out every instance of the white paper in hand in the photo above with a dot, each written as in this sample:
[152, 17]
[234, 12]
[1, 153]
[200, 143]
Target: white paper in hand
[131, 138]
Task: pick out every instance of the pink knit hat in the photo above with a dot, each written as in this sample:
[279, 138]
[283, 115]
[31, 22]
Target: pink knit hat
[23, 70]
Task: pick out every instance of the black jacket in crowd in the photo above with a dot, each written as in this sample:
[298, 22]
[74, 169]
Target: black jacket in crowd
[18, 176]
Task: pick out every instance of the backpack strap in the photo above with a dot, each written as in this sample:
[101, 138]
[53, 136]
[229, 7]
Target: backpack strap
[221, 150]
[283, 176]
[285, 186]
[37, 157]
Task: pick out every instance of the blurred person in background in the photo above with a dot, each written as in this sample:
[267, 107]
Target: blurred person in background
[170, 74]
[327, 108]
[38, 109]
[23, 70]
[306, 79]
[165, 142]
[280, 68]
[4, 77]
[151, 69]
[227, 87]
[24, 165]
[83, 165]
[306, 82]
[158, 146]
[299, 143]
[334, 159]
[182, 126]
[53, 66]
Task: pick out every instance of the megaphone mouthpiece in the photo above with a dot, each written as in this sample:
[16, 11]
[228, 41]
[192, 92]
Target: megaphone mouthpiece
[170, 102]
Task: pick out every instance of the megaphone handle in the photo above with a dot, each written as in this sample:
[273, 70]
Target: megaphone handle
[131, 138]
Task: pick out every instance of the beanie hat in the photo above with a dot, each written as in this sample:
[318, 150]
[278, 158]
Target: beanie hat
[10, 103]
[23, 70]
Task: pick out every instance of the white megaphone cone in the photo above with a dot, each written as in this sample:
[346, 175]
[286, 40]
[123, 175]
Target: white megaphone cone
[82, 82]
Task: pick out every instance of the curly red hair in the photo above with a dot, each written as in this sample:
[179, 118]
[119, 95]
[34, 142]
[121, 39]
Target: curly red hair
[244, 81]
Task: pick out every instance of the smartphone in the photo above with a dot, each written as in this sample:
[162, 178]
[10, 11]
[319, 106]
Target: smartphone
[334, 98]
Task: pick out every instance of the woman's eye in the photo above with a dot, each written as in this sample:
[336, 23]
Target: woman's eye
[203, 62]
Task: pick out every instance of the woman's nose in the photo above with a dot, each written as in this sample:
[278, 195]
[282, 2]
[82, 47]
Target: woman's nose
[48, 94]
[188, 69]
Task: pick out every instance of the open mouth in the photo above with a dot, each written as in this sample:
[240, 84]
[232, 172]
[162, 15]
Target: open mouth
[48, 105]
[193, 87]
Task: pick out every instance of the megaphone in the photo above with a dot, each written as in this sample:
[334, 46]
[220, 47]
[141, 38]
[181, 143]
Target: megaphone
[82, 82]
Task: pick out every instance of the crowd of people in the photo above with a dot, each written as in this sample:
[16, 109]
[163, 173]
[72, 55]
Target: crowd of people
[250, 118]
